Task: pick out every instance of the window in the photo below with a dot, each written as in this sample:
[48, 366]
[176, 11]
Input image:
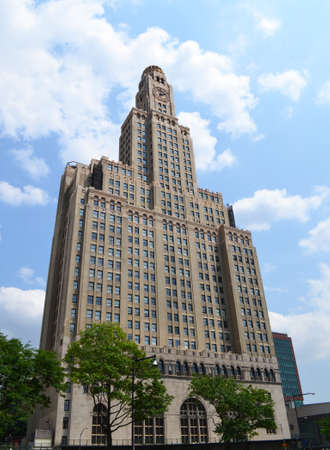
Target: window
[193, 422]
[149, 431]
[65, 423]
[66, 405]
[99, 419]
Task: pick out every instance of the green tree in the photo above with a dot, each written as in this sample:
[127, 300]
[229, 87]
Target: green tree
[103, 360]
[240, 409]
[325, 427]
[25, 376]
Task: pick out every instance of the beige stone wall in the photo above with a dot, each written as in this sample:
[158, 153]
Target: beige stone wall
[178, 387]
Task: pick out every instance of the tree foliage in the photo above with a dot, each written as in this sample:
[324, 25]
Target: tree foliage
[103, 360]
[325, 427]
[240, 409]
[25, 375]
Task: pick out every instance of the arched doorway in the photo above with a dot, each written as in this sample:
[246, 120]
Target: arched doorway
[193, 422]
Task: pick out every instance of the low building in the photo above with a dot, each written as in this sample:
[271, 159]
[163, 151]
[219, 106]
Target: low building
[304, 422]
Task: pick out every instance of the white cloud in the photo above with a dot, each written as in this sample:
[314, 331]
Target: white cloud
[21, 313]
[324, 93]
[205, 144]
[310, 329]
[268, 206]
[225, 159]
[319, 238]
[36, 167]
[268, 25]
[28, 195]
[61, 61]
[28, 275]
[289, 83]
[23, 305]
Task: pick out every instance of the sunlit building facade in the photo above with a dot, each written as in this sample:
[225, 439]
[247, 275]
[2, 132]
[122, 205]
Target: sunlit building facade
[138, 243]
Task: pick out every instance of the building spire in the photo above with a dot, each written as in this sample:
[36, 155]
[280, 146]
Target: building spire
[155, 93]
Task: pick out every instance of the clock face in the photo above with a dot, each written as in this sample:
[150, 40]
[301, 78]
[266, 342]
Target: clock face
[161, 94]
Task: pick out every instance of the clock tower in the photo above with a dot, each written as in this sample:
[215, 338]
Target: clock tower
[154, 92]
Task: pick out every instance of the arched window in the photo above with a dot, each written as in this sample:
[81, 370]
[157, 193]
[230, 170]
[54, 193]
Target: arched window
[238, 372]
[99, 420]
[272, 375]
[149, 431]
[266, 374]
[232, 372]
[217, 370]
[193, 422]
[202, 369]
[194, 368]
[161, 366]
[178, 368]
[252, 374]
[259, 377]
[185, 368]
[224, 371]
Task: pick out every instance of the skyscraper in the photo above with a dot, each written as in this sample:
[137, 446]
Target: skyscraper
[288, 369]
[137, 242]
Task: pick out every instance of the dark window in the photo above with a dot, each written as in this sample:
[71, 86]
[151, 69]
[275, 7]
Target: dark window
[149, 431]
[99, 420]
[193, 421]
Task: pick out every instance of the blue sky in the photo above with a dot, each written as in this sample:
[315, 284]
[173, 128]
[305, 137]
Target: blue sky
[250, 78]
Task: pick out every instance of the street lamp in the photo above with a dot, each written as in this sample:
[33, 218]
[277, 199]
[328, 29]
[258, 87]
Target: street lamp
[292, 398]
[154, 363]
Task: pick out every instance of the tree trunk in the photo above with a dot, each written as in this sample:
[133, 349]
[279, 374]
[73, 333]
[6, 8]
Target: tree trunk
[109, 438]
[109, 430]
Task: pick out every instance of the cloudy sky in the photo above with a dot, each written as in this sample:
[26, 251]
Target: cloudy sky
[251, 79]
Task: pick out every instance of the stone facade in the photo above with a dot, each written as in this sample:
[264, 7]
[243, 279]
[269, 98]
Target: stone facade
[138, 243]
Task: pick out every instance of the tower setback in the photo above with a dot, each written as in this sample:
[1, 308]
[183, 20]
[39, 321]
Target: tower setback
[138, 243]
